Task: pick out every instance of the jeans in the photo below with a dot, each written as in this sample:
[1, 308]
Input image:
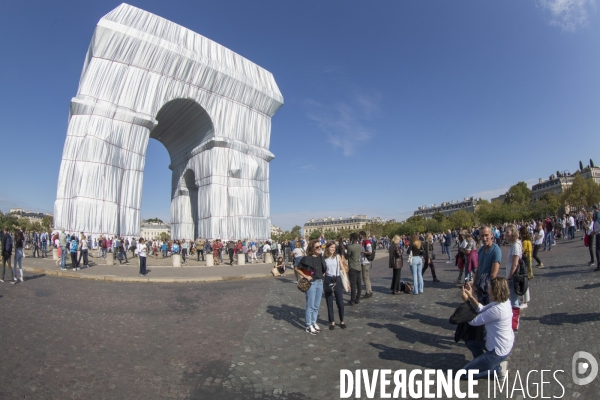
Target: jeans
[313, 302]
[355, 285]
[74, 260]
[488, 361]
[183, 254]
[591, 248]
[164, 253]
[18, 262]
[338, 293]
[142, 265]
[571, 232]
[36, 249]
[44, 248]
[549, 240]
[514, 298]
[63, 257]
[6, 259]
[366, 279]
[447, 246]
[84, 255]
[416, 267]
[564, 232]
[103, 252]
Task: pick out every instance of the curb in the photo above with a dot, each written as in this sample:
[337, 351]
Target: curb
[113, 278]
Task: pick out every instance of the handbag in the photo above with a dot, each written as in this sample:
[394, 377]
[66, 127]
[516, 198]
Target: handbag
[304, 284]
[329, 283]
[520, 279]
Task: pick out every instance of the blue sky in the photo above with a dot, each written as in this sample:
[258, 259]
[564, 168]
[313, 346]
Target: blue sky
[389, 105]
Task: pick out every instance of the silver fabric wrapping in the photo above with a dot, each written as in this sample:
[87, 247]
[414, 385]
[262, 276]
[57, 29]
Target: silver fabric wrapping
[145, 77]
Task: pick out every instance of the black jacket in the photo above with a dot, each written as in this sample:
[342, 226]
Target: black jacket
[461, 317]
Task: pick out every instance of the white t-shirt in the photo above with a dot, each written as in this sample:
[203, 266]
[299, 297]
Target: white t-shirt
[298, 252]
[141, 249]
[516, 249]
[571, 221]
[541, 235]
[266, 248]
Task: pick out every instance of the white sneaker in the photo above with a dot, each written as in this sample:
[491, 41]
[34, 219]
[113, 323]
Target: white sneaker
[316, 327]
[311, 330]
[21, 279]
[524, 305]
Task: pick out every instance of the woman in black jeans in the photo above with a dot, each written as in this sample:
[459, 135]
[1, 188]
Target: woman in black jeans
[396, 263]
[332, 277]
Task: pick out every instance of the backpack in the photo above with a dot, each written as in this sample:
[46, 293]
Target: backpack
[520, 279]
[371, 256]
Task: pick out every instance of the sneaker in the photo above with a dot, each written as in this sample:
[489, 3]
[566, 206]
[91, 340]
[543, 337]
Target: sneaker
[541, 266]
[448, 262]
[63, 269]
[524, 305]
[1, 280]
[21, 279]
[316, 327]
[436, 280]
[14, 282]
[311, 330]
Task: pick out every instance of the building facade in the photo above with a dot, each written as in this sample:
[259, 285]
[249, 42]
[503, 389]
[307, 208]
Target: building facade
[276, 231]
[558, 184]
[354, 222]
[469, 204]
[152, 230]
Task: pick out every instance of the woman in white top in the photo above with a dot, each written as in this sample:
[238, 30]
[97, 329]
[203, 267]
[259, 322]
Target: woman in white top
[84, 251]
[496, 317]
[298, 254]
[332, 285]
[538, 240]
[141, 252]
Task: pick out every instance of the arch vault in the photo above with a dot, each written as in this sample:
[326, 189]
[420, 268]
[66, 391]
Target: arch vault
[146, 77]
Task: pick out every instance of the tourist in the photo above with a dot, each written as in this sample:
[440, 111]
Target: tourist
[267, 249]
[447, 244]
[36, 244]
[396, 263]
[572, 227]
[549, 234]
[415, 249]
[44, 240]
[496, 317]
[7, 248]
[280, 266]
[512, 263]
[184, 251]
[538, 240]
[353, 254]
[215, 249]
[199, 248]
[141, 252]
[367, 248]
[84, 250]
[527, 250]
[428, 257]
[176, 247]
[596, 234]
[62, 240]
[489, 258]
[18, 256]
[312, 267]
[74, 244]
[297, 253]
[133, 247]
[231, 251]
[333, 285]
[465, 248]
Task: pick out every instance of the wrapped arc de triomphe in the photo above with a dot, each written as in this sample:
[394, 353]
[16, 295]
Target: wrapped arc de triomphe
[146, 77]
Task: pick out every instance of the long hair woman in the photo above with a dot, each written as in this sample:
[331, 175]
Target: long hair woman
[333, 280]
[396, 263]
[415, 248]
[428, 256]
[18, 256]
[312, 267]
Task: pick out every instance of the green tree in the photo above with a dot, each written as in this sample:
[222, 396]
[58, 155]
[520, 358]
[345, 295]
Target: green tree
[155, 220]
[462, 219]
[314, 235]
[439, 217]
[373, 228]
[48, 222]
[518, 194]
[583, 193]
[296, 231]
[164, 236]
[330, 234]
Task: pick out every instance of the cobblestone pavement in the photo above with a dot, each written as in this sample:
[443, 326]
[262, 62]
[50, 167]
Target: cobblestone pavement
[70, 338]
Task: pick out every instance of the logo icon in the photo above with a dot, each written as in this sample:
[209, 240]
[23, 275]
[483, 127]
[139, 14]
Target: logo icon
[581, 367]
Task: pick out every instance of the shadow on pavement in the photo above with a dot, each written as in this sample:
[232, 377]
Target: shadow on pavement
[429, 320]
[28, 278]
[589, 286]
[426, 360]
[445, 304]
[409, 335]
[291, 314]
[564, 318]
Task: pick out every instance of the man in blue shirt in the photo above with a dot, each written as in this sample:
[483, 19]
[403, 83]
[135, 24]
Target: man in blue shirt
[447, 244]
[490, 257]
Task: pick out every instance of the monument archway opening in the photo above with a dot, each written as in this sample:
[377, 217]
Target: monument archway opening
[146, 77]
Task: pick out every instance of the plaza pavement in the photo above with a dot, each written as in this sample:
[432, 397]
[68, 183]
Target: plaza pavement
[244, 339]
